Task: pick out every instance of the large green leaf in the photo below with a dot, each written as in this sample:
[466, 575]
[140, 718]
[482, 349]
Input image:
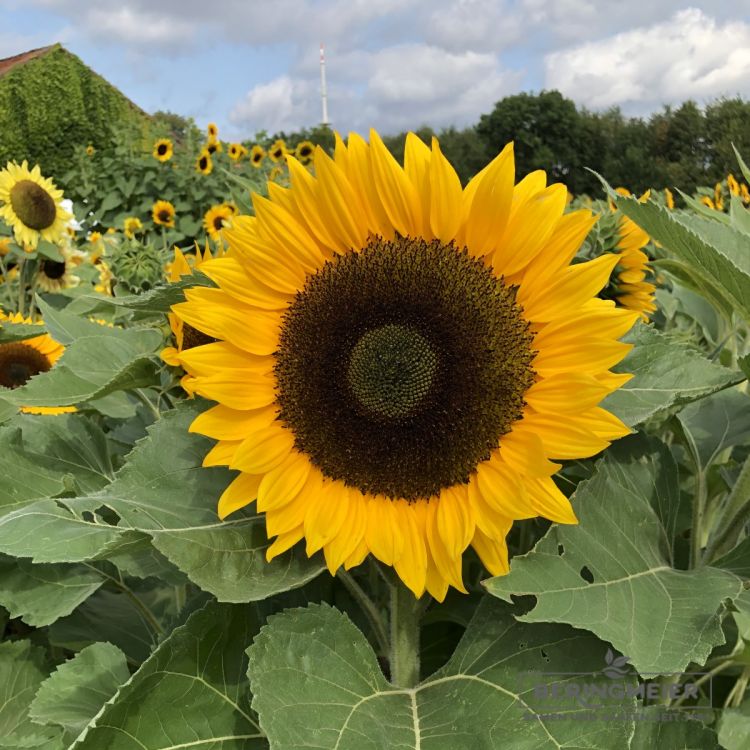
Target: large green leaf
[164, 491]
[44, 457]
[658, 729]
[317, 683]
[72, 695]
[734, 727]
[714, 251]
[10, 332]
[613, 573]
[666, 373]
[40, 594]
[22, 671]
[192, 691]
[92, 367]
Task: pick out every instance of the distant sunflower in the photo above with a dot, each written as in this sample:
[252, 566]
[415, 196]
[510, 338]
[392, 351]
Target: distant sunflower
[706, 201]
[204, 164]
[212, 130]
[397, 359]
[163, 213]
[669, 198]
[131, 226]
[163, 149]
[55, 275]
[213, 221]
[213, 146]
[304, 151]
[744, 193]
[277, 151]
[257, 154]
[732, 185]
[185, 336]
[30, 204]
[21, 360]
[236, 151]
[90, 150]
[4, 246]
[106, 279]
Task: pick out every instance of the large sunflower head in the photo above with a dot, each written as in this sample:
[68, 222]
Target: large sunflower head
[257, 154]
[397, 360]
[31, 205]
[163, 149]
[203, 163]
[163, 214]
[277, 151]
[215, 218]
[22, 360]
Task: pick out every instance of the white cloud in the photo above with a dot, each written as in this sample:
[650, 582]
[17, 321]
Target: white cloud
[138, 27]
[689, 56]
[281, 104]
[478, 25]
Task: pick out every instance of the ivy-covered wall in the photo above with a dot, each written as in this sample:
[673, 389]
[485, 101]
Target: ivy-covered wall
[52, 103]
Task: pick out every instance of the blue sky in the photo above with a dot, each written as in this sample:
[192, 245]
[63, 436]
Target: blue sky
[391, 64]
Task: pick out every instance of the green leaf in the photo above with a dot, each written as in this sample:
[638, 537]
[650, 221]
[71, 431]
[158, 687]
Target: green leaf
[72, 695]
[716, 423]
[667, 373]
[22, 671]
[41, 456]
[164, 491]
[317, 683]
[40, 594]
[10, 332]
[734, 727]
[65, 327]
[715, 251]
[191, 692]
[613, 573]
[671, 730]
[92, 367]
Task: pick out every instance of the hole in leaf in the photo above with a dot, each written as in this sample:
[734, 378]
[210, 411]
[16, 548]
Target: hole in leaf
[560, 550]
[586, 574]
[544, 654]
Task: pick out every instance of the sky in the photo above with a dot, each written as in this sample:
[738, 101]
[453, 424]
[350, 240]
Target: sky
[253, 65]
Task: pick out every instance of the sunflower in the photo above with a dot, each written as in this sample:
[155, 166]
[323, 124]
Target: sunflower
[106, 279]
[236, 151]
[668, 198]
[95, 237]
[304, 151]
[204, 165]
[4, 246]
[396, 359]
[212, 146]
[277, 151]
[257, 154]
[21, 360]
[733, 185]
[90, 150]
[30, 204]
[163, 149]
[744, 193]
[185, 336]
[162, 213]
[213, 221]
[212, 130]
[132, 225]
[706, 201]
[54, 275]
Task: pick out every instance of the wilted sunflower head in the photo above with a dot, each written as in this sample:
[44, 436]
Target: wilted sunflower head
[257, 154]
[215, 218]
[31, 205]
[277, 151]
[163, 149]
[131, 226]
[397, 359]
[163, 214]
[304, 151]
[204, 164]
[22, 360]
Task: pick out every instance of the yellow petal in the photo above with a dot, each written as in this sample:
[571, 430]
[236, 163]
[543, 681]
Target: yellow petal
[417, 167]
[232, 277]
[493, 553]
[238, 390]
[549, 502]
[566, 392]
[284, 542]
[455, 521]
[383, 534]
[351, 534]
[445, 196]
[449, 566]
[241, 492]
[264, 449]
[223, 423]
[283, 483]
[411, 564]
[325, 514]
[565, 438]
[222, 453]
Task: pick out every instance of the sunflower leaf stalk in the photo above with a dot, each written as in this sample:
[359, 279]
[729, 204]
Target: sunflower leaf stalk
[406, 612]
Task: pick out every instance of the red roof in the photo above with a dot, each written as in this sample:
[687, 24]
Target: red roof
[10, 62]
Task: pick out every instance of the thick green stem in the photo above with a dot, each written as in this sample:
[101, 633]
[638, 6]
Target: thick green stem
[699, 507]
[405, 613]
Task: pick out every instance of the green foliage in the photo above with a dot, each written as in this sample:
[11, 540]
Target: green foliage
[51, 104]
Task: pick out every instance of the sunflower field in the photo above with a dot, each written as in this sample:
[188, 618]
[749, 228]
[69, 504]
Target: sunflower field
[309, 448]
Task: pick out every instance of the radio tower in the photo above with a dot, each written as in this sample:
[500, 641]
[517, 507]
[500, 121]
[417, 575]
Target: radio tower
[323, 89]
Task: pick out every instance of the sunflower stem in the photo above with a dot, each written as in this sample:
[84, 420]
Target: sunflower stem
[368, 607]
[405, 615]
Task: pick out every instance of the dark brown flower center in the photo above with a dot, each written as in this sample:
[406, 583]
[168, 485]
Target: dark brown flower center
[33, 205]
[19, 362]
[162, 149]
[53, 269]
[191, 337]
[401, 367]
